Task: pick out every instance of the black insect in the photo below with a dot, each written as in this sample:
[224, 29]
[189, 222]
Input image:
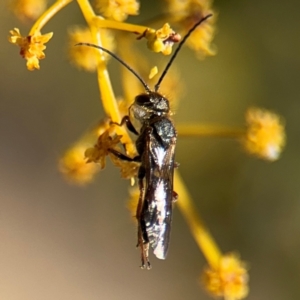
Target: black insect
[156, 150]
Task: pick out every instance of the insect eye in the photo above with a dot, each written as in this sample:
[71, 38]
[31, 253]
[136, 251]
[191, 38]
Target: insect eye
[142, 99]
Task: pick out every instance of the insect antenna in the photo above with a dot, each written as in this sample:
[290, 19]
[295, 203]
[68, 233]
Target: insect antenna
[147, 88]
[156, 87]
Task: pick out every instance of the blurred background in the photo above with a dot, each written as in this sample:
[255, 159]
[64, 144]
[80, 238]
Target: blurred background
[60, 241]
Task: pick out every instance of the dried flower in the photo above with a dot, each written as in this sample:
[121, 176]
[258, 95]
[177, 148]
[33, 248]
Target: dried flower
[31, 46]
[117, 10]
[229, 280]
[265, 136]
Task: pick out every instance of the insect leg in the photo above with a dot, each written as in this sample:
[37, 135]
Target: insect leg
[174, 196]
[143, 241]
[176, 165]
[123, 156]
[129, 125]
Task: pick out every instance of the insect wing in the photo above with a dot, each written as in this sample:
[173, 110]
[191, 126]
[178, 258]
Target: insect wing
[157, 208]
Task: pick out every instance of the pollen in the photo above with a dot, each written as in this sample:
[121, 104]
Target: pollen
[229, 280]
[85, 57]
[161, 40]
[74, 167]
[28, 10]
[153, 72]
[31, 46]
[265, 135]
[117, 10]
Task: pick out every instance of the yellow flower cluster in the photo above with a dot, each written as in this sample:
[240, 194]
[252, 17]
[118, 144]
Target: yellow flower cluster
[265, 136]
[186, 14]
[27, 10]
[32, 46]
[117, 10]
[74, 167]
[229, 280]
[85, 57]
[162, 40]
[98, 153]
[73, 164]
[226, 275]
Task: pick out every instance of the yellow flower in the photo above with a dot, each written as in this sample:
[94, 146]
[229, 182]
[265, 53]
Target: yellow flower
[117, 10]
[28, 9]
[75, 168]
[98, 153]
[188, 9]
[229, 280]
[85, 57]
[31, 46]
[186, 14]
[73, 165]
[201, 39]
[129, 169]
[265, 135]
[161, 40]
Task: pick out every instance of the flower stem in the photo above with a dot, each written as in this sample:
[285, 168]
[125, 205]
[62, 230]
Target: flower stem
[86, 10]
[107, 96]
[48, 14]
[192, 130]
[111, 24]
[201, 234]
